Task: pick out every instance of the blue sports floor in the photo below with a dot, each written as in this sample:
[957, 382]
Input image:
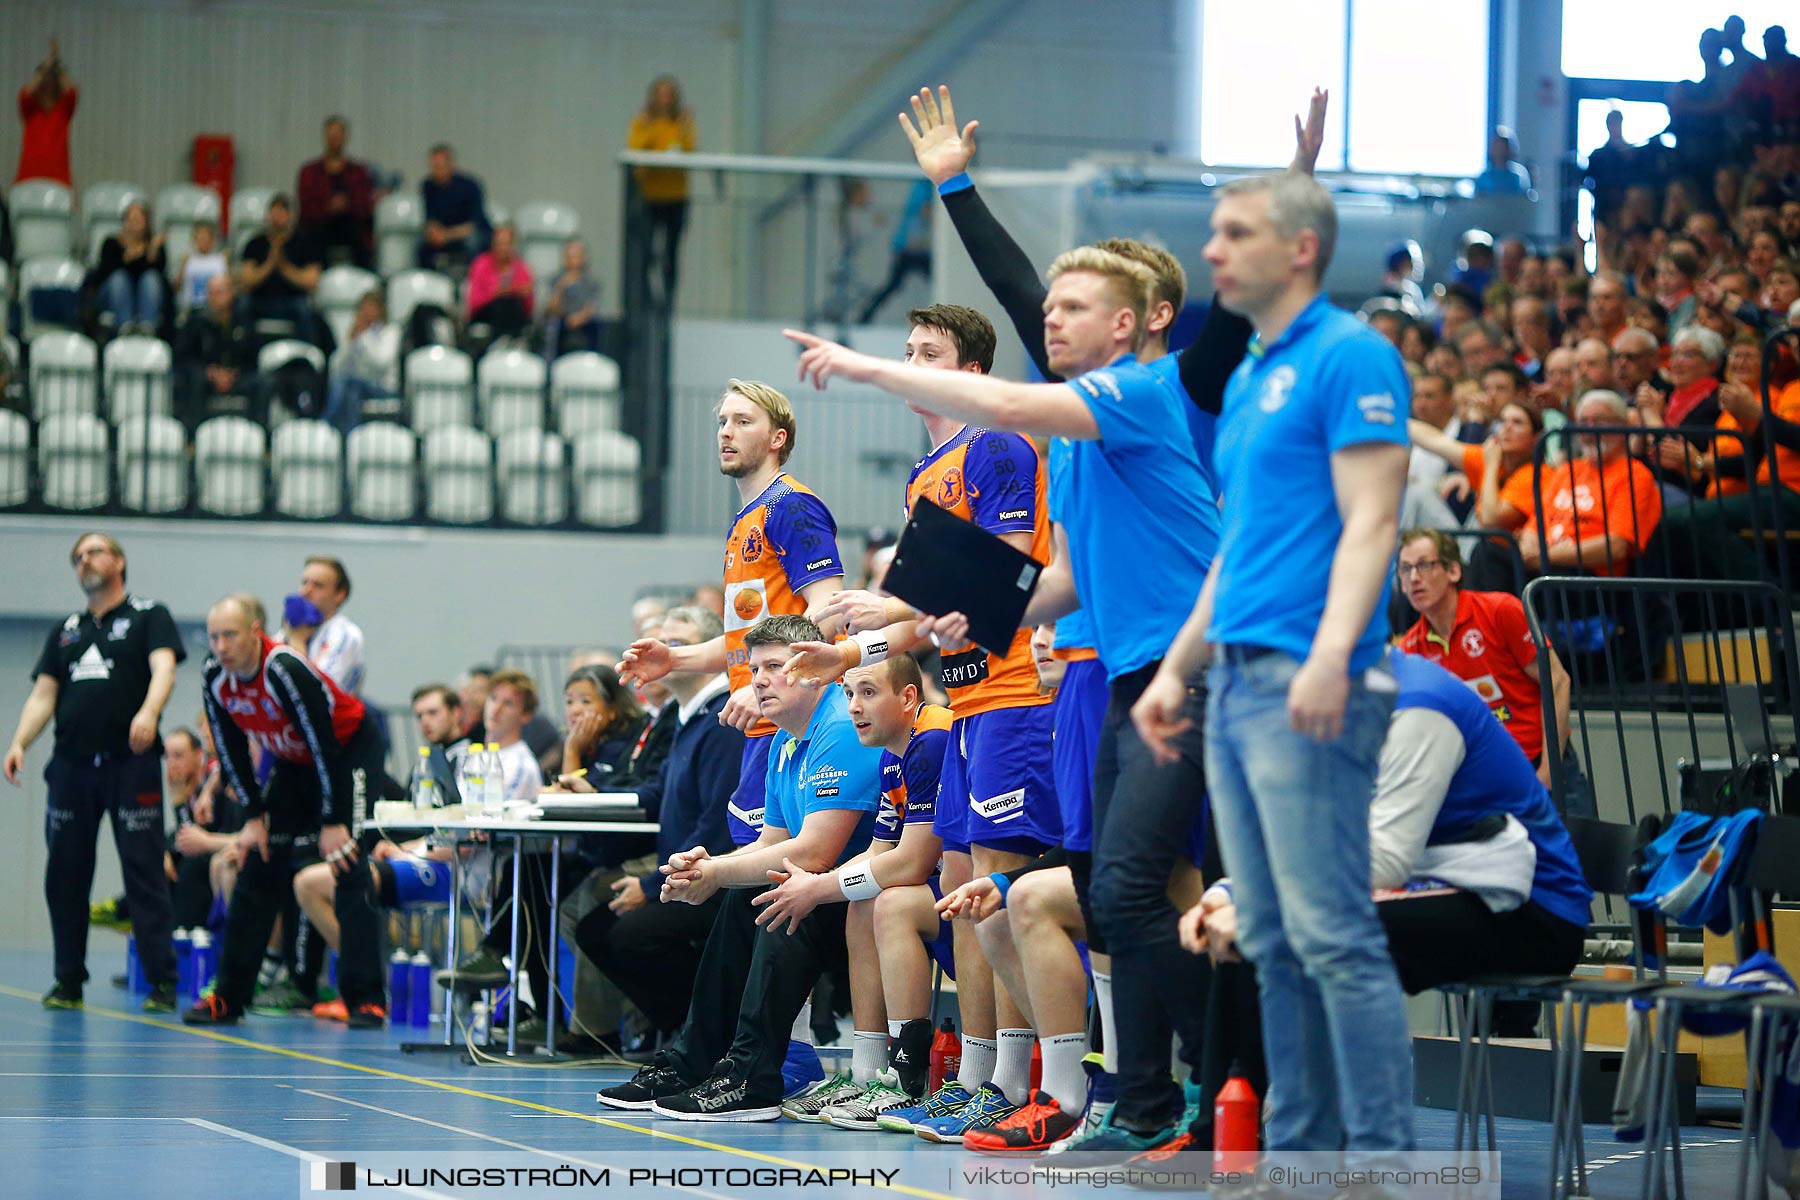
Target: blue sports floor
[113, 1103]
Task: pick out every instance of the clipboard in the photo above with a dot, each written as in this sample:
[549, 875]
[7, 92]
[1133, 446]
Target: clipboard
[945, 564]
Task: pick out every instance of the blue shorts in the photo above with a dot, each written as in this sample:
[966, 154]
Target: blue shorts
[942, 947]
[996, 783]
[744, 811]
[404, 880]
[1196, 838]
[1078, 713]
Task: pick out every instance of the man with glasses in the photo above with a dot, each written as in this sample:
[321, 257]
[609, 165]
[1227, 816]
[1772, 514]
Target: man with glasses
[1483, 639]
[1635, 352]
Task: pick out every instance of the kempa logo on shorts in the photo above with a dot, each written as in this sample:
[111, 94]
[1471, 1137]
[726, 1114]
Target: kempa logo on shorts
[333, 1177]
[1003, 807]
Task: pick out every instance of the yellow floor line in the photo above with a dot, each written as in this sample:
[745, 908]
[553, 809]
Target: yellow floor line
[440, 1085]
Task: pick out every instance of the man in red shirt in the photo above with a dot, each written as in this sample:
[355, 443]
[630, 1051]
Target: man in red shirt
[1482, 638]
[46, 106]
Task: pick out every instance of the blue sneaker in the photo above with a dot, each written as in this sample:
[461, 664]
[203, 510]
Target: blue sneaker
[987, 1107]
[1114, 1142]
[800, 1070]
[949, 1098]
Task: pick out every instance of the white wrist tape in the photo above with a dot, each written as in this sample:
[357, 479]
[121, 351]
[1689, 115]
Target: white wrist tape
[874, 647]
[857, 880]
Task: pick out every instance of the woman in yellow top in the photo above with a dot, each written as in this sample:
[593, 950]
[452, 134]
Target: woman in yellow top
[663, 124]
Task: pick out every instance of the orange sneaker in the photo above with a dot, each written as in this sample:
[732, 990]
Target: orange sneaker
[1031, 1130]
[367, 1016]
[331, 1010]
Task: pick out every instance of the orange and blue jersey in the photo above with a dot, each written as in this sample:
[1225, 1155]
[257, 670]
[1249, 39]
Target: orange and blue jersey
[998, 481]
[909, 782]
[779, 543]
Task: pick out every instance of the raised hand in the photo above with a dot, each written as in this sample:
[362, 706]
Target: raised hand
[814, 664]
[1310, 136]
[942, 151]
[824, 359]
[646, 661]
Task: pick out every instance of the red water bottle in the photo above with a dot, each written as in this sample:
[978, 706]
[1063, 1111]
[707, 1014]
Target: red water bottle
[1037, 1067]
[946, 1056]
[1237, 1115]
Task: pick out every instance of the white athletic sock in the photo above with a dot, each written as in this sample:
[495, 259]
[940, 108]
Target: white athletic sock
[977, 1062]
[1012, 1064]
[803, 1025]
[1109, 1031]
[894, 1028]
[868, 1055]
[1064, 1080]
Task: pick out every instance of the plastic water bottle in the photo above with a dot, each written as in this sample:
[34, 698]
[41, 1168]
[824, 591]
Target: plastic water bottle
[470, 778]
[946, 1055]
[424, 791]
[418, 991]
[184, 963]
[1236, 1115]
[205, 959]
[478, 1021]
[399, 981]
[134, 970]
[494, 783]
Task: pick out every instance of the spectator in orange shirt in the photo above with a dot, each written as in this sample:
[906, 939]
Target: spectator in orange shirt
[1704, 540]
[1498, 471]
[46, 106]
[1600, 510]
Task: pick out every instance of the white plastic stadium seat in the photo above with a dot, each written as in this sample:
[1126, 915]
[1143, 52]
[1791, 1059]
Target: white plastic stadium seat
[409, 289]
[543, 228]
[42, 212]
[152, 464]
[307, 458]
[178, 209]
[533, 471]
[606, 479]
[103, 208]
[15, 459]
[249, 213]
[510, 386]
[228, 466]
[72, 460]
[340, 289]
[62, 373]
[383, 472]
[459, 475]
[46, 274]
[439, 388]
[399, 223]
[584, 393]
[135, 375]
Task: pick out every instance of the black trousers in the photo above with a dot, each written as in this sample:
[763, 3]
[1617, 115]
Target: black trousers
[81, 791]
[666, 224]
[264, 886]
[534, 896]
[506, 314]
[652, 953]
[193, 890]
[1144, 815]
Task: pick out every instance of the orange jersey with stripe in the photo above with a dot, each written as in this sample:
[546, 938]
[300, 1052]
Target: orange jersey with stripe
[998, 481]
[780, 542]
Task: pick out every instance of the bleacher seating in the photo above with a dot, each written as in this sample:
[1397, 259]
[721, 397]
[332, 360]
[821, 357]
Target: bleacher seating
[439, 388]
[409, 289]
[153, 469]
[62, 373]
[340, 289]
[103, 208]
[383, 472]
[459, 475]
[177, 210]
[72, 460]
[276, 354]
[606, 478]
[15, 459]
[135, 376]
[533, 474]
[55, 273]
[543, 228]
[510, 387]
[228, 466]
[249, 213]
[42, 219]
[306, 460]
[399, 223]
[584, 393]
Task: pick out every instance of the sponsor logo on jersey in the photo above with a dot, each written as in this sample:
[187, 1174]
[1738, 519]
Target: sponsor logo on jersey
[816, 563]
[1015, 514]
[950, 489]
[1277, 388]
[746, 603]
[1487, 687]
[1377, 408]
[964, 669]
[120, 627]
[1472, 643]
[754, 544]
[90, 666]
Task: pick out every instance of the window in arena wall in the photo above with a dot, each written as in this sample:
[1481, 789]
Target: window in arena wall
[1656, 39]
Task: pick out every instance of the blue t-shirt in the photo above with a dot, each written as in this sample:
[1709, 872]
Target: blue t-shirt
[1328, 382]
[827, 768]
[909, 784]
[1495, 776]
[1204, 426]
[1139, 512]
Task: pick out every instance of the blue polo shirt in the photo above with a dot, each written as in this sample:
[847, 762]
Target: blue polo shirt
[1139, 512]
[1495, 776]
[1203, 426]
[1328, 382]
[825, 768]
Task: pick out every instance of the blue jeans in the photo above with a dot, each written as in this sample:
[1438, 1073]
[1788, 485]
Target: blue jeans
[344, 401]
[130, 300]
[1292, 817]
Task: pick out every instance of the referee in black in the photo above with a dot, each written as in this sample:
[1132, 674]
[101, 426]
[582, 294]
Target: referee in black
[105, 673]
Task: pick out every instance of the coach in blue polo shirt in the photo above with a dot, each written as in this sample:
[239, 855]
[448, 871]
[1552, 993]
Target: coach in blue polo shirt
[1311, 461]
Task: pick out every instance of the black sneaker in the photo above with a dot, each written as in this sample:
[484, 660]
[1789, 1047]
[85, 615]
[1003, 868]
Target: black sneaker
[367, 1016]
[724, 1097]
[654, 1080]
[211, 1010]
[911, 1057]
[63, 995]
[476, 973]
[162, 998]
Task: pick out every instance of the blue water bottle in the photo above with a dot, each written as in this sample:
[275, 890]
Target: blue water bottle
[399, 983]
[134, 970]
[184, 964]
[418, 992]
[205, 960]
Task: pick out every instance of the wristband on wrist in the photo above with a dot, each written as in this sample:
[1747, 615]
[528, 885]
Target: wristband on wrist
[857, 880]
[872, 647]
[1003, 883]
[956, 183]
